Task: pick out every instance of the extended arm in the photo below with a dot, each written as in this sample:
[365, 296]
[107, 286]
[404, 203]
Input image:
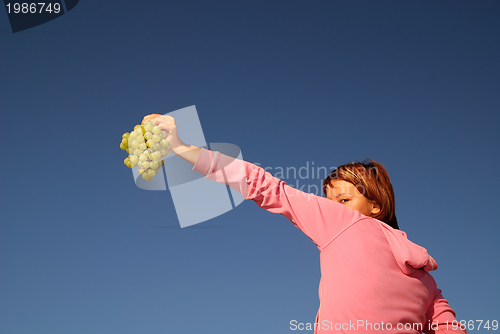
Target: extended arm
[319, 218]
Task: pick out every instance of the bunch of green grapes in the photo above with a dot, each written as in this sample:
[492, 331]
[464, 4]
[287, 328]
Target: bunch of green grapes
[146, 146]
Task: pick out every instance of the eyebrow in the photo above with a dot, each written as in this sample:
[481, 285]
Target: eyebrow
[339, 195]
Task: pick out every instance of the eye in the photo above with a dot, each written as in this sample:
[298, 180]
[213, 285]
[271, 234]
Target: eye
[343, 200]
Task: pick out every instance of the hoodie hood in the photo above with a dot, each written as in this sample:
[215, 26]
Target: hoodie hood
[409, 256]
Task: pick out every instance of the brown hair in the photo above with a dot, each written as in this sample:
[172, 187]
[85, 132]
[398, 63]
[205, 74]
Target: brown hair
[372, 181]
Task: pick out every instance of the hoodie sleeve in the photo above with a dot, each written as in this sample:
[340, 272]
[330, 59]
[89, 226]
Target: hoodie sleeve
[319, 218]
[441, 317]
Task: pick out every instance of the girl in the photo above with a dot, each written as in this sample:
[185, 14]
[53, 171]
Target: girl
[373, 278]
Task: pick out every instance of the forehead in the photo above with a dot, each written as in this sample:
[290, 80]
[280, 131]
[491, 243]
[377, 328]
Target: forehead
[338, 187]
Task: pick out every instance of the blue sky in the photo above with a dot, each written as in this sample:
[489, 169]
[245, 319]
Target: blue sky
[412, 84]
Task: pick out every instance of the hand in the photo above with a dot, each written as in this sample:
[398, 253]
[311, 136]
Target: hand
[167, 125]
[149, 117]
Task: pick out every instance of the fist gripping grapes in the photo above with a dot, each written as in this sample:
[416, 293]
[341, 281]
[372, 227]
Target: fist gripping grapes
[146, 145]
[167, 125]
[163, 126]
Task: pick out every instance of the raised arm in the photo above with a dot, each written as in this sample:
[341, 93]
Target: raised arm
[319, 218]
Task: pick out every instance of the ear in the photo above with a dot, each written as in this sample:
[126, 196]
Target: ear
[375, 208]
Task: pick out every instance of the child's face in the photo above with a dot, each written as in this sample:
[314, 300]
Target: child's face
[346, 194]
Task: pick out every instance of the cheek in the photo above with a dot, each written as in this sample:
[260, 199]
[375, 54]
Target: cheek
[353, 205]
[360, 206]
[356, 206]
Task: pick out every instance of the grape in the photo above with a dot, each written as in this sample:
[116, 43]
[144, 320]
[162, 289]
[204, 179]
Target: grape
[145, 150]
[134, 160]
[140, 138]
[165, 151]
[127, 162]
[139, 131]
[164, 143]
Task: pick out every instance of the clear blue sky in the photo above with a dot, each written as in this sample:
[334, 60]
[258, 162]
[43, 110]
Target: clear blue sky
[412, 84]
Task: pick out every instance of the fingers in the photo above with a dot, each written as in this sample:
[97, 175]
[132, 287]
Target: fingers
[166, 121]
[149, 117]
[165, 128]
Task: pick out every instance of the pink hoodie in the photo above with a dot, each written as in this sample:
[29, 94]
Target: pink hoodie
[373, 279]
